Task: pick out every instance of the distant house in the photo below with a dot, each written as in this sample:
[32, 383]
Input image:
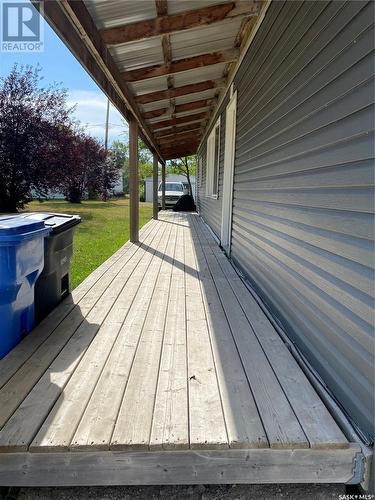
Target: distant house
[54, 194]
[118, 188]
[170, 178]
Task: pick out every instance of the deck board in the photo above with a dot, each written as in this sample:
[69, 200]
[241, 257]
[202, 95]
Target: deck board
[133, 425]
[170, 426]
[320, 429]
[96, 426]
[43, 394]
[162, 349]
[281, 424]
[16, 358]
[244, 425]
[58, 429]
[207, 423]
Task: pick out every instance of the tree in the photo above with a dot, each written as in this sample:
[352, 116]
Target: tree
[185, 166]
[109, 176]
[145, 161]
[88, 166]
[120, 155]
[31, 118]
[120, 152]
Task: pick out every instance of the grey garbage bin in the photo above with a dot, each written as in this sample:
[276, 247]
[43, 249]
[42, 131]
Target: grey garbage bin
[53, 284]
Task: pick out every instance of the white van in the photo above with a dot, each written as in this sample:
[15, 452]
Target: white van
[173, 192]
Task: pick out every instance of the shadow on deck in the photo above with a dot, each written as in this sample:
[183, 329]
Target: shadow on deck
[161, 368]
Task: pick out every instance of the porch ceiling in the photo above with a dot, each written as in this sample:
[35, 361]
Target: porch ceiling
[168, 60]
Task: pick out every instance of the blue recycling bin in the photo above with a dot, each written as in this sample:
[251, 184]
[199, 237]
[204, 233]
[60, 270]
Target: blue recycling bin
[21, 262]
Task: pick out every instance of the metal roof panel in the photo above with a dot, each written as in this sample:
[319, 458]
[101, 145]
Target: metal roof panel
[112, 13]
[139, 54]
[202, 40]
[177, 6]
[147, 86]
[213, 72]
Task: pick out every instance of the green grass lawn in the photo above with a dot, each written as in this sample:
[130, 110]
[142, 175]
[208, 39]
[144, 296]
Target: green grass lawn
[103, 230]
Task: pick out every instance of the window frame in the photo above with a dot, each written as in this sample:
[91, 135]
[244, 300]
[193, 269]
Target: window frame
[213, 161]
[200, 171]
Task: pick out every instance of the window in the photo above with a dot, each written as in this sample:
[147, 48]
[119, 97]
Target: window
[172, 186]
[200, 171]
[213, 157]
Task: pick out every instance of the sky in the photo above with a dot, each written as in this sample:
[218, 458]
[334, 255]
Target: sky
[59, 65]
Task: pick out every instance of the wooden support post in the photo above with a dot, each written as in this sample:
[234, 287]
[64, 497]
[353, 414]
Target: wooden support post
[163, 186]
[155, 180]
[133, 181]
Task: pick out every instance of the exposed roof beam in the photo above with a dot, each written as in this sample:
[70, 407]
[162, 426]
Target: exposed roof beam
[245, 29]
[181, 138]
[188, 151]
[180, 146]
[193, 88]
[155, 113]
[167, 50]
[73, 23]
[176, 145]
[190, 106]
[161, 7]
[177, 22]
[170, 82]
[181, 119]
[180, 150]
[179, 108]
[178, 129]
[245, 44]
[185, 64]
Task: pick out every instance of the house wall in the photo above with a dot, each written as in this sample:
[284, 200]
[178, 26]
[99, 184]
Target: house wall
[210, 207]
[302, 224]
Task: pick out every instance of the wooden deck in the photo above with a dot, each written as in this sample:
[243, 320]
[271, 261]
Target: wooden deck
[162, 368]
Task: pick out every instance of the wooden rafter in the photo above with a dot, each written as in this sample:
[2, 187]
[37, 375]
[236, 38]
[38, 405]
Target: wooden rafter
[178, 120]
[179, 108]
[167, 51]
[176, 145]
[168, 24]
[181, 147]
[246, 27]
[193, 88]
[179, 153]
[170, 82]
[182, 150]
[168, 57]
[244, 38]
[179, 129]
[155, 113]
[161, 7]
[183, 136]
[185, 64]
[190, 106]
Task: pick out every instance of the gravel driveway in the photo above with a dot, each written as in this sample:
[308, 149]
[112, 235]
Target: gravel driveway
[200, 492]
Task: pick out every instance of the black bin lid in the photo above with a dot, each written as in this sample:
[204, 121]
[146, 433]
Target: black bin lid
[57, 222]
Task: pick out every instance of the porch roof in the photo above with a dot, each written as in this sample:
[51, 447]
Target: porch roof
[164, 62]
